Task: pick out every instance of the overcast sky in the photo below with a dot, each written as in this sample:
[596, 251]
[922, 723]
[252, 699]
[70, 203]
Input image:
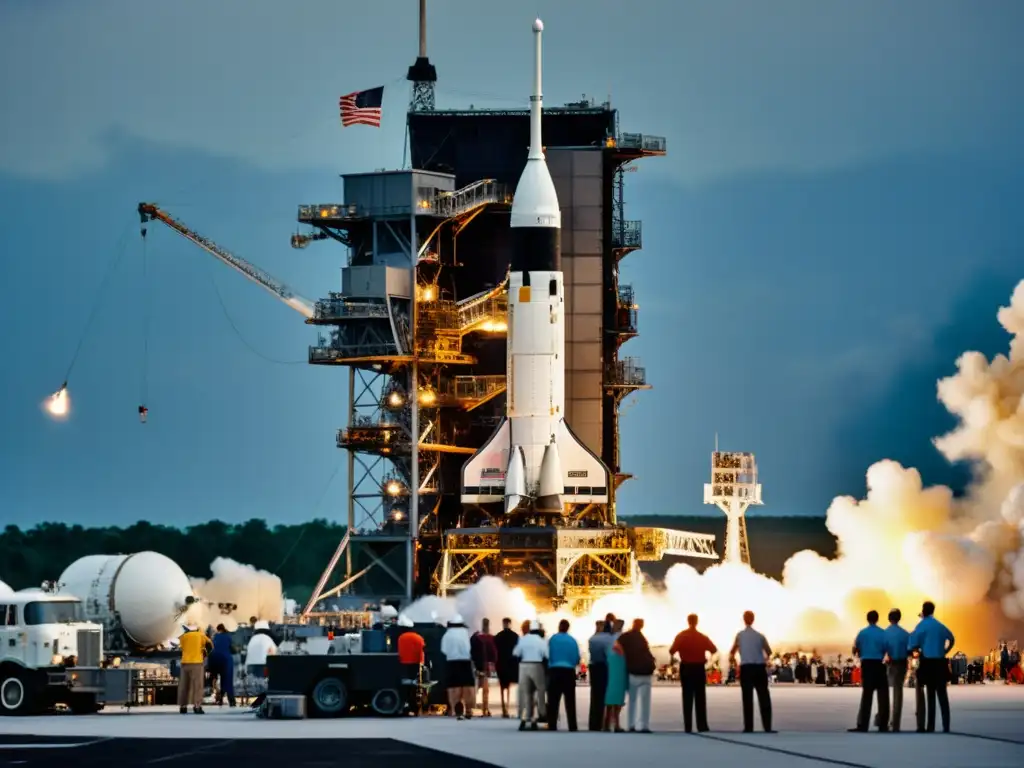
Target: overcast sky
[837, 217]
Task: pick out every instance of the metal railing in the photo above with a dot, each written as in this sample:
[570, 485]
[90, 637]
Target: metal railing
[626, 311]
[475, 387]
[445, 204]
[447, 316]
[627, 234]
[626, 373]
[642, 142]
[337, 307]
[461, 201]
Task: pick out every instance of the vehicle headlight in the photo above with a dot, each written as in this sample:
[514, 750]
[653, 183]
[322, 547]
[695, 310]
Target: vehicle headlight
[57, 660]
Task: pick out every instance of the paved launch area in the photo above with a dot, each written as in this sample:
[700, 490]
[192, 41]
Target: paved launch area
[988, 724]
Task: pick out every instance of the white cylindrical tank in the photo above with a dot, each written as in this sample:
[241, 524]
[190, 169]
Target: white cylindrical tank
[147, 591]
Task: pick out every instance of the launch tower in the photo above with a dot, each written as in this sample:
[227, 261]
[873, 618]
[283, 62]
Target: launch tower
[733, 488]
[421, 323]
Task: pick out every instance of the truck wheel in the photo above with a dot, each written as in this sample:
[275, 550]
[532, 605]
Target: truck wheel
[18, 693]
[329, 698]
[387, 702]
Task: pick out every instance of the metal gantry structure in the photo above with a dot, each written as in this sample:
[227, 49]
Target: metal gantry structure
[733, 489]
[400, 332]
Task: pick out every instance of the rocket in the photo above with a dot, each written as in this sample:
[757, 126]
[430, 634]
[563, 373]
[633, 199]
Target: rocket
[533, 461]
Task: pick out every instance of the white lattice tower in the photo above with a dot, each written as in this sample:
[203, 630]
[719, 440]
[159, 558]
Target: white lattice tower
[732, 489]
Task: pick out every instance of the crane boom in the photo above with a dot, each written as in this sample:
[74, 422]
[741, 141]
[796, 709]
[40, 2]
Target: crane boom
[151, 212]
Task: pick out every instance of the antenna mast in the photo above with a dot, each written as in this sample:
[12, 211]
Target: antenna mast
[422, 74]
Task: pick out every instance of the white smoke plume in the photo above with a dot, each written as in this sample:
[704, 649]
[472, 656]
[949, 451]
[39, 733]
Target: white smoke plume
[490, 598]
[254, 592]
[902, 544]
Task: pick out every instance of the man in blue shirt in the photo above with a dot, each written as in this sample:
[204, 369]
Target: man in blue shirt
[897, 648]
[599, 646]
[934, 640]
[870, 646]
[563, 658]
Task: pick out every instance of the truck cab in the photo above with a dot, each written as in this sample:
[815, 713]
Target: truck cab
[49, 654]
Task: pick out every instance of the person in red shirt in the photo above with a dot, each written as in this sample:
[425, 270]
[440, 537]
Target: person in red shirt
[693, 647]
[410, 656]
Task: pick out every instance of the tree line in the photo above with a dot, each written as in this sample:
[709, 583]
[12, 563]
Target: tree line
[298, 553]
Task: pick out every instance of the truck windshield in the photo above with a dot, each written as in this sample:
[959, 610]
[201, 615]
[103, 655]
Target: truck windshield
[53, 612]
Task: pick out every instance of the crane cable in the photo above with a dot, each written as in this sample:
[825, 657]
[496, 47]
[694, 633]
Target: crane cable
[305, 527]
[146, 310]
[238, 333]
[111, 268]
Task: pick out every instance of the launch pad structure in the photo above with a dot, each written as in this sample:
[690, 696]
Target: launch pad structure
[420, 323]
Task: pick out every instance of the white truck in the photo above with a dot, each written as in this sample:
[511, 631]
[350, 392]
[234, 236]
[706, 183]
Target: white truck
[49, 655]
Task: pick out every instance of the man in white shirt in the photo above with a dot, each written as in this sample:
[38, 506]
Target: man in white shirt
[754, 653]
[261, 645]
[461, 684]
[532, 652]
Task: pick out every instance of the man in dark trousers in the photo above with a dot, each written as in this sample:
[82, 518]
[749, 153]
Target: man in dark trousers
[870, 646]
[754, 653]
[563, 659]
[934, 640]
[599, 645]
[896, 639]
[693, 648]
[508, 665]
[484, 653]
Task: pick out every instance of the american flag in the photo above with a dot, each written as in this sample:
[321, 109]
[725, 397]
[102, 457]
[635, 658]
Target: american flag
[361, 107]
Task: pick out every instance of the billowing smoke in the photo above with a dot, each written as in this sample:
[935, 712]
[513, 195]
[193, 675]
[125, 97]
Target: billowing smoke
[490, 598]
[254, 592]
[902, 544]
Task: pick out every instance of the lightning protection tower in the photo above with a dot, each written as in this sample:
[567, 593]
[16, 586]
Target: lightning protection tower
[732, 489]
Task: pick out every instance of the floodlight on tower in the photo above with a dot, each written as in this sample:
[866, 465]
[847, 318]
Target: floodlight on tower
[733, 488]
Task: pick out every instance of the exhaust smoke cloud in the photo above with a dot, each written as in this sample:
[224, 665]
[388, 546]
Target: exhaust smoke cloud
[254, 592]
[902, 544]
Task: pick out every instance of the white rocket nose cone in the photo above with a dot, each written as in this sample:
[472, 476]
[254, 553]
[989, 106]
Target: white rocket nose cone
[538, 26]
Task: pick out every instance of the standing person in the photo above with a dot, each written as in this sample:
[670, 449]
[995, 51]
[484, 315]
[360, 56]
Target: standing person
[194, 646]
[485, 657]
[693, 649]
[261, 645]
[600, 644]
[507, 665]
[615, 691]
[1004, 663]
[754, 654]
[870, 646]
[896, 648]
[640, 667]
[222, 663]
[410, 655]
[457, 650]
[532, 652]
[934, 640]
[563, 659]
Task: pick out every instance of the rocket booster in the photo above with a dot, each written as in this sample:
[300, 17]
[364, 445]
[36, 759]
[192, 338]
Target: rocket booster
[533, 460]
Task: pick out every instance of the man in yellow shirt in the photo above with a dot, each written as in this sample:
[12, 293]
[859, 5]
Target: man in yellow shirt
[194, 647]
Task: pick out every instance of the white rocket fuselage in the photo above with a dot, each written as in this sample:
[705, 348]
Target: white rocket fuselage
[533, 460]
